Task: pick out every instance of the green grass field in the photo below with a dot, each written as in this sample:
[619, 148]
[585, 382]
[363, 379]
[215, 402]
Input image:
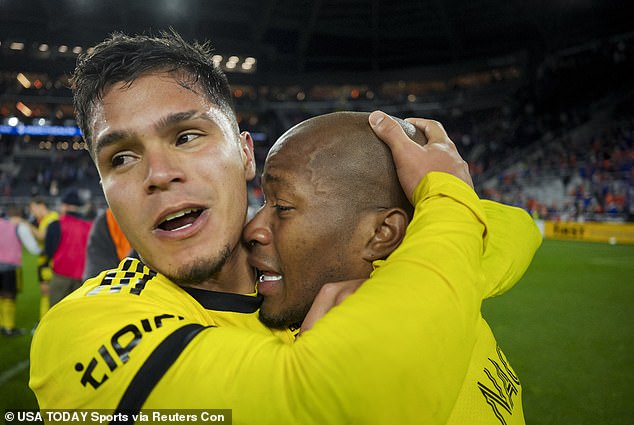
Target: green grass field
[566, 328]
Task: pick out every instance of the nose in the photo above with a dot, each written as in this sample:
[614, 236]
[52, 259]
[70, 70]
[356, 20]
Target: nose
[163, 170]
[258, 230]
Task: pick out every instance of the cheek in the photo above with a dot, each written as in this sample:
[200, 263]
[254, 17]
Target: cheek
[121, 200]
[306, 257]
[292, 248]
[220, 168]
[230, 189]
[328, 254]
[114, 191]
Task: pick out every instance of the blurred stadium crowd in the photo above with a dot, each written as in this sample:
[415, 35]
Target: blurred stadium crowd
[553, 137]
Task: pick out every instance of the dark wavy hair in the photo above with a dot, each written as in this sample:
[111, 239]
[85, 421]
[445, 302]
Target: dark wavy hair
[124, 58]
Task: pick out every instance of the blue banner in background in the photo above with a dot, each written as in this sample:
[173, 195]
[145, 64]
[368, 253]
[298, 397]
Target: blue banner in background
[59, 130]
[40, 130]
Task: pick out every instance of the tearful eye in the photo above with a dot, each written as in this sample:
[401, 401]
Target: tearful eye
[282, 209]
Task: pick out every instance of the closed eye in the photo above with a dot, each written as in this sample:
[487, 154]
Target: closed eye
[282, 208]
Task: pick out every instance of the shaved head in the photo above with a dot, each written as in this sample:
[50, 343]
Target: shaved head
[346, 159]
[333, 205]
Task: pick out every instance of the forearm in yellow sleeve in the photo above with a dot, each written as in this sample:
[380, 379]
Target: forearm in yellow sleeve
[396, 351]
[513, 240]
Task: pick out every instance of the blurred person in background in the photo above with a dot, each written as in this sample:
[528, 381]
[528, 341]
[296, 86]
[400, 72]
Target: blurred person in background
[65, 244]
[107, 245]
[14, 235]
[44, 217]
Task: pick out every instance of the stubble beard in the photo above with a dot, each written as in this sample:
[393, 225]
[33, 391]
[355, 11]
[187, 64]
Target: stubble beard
[202, 270]
[284, 319]
[290, 314]
[293, 314]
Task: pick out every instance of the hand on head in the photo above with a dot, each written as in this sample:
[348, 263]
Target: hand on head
[414, 161]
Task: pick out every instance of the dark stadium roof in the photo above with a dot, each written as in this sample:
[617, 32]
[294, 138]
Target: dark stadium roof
[290, 36]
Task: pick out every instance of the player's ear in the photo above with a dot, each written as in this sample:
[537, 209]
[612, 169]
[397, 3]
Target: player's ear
[248, 157]
[389, 230]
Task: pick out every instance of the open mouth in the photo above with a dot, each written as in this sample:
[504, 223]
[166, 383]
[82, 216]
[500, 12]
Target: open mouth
[270, 277]
[180, 219]
[267, 276]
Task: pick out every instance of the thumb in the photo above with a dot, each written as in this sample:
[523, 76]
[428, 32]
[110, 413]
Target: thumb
[405, 152]
[389, 131]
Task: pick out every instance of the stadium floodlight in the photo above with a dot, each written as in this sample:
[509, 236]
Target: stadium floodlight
[26, 111]
[26, 83]
[43, 47]
[77, 50]
[13, 121]
[62, 49]
[16, 45]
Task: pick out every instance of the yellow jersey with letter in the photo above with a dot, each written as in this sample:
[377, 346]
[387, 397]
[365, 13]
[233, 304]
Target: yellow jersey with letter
[491, 393]
[397, 351]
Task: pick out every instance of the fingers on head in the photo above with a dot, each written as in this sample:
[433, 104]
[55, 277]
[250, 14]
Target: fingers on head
[434, 131]
[387, 128]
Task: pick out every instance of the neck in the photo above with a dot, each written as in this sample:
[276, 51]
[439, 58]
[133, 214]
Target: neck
[236, 276]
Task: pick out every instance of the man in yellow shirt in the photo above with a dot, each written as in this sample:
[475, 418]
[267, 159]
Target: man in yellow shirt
[334, 210]
[44, 216]
[158, 120]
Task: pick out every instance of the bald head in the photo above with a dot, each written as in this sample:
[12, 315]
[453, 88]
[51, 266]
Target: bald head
[333, 206]
[343, 158]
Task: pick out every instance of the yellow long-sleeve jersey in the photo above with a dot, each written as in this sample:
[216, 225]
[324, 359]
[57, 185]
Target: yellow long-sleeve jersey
[491, 393]
[397, 351]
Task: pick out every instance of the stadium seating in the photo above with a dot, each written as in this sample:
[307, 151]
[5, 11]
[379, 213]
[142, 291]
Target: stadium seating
[531, 137]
